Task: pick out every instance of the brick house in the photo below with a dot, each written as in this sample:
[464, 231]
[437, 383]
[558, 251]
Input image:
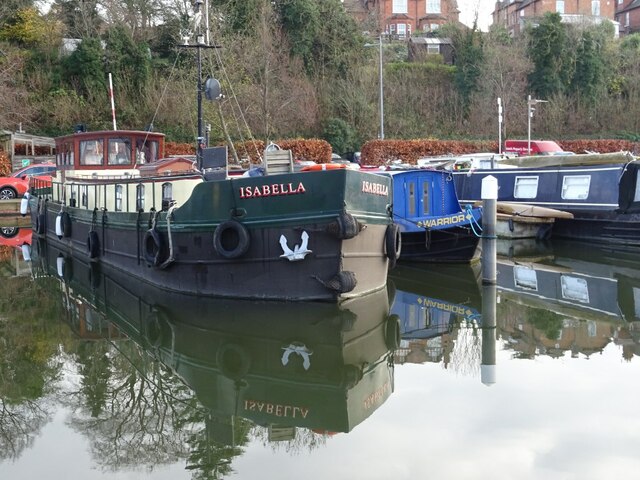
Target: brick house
[400, 18]
[515, 14]
[628, 15]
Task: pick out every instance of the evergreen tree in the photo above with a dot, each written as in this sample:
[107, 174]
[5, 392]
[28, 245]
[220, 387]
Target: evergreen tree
[548, 52]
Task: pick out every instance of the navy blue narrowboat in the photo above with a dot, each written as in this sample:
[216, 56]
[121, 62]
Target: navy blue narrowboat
[601, 191]
[433, 225]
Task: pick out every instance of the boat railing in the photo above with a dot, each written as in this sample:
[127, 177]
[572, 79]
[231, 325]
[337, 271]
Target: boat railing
[131, 195]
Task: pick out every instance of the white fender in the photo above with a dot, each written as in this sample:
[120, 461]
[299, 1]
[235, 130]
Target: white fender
[26, 252]
[60, 266]
[59, 225]
[24, 204]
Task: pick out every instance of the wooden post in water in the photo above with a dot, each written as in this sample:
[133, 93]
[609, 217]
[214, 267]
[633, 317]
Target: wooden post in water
[488, 362]
[489, 196]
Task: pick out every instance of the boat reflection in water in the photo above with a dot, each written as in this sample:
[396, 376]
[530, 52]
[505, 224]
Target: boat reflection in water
[439, 310]
[557, 300]
[570, 299]
[318, 366]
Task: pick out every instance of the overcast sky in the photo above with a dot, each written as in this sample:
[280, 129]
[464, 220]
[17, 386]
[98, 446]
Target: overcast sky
[468, 9]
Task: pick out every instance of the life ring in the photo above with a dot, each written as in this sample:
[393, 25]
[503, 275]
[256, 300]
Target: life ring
[40, 223]
[153, 247]
[93, 244]
[231, 239]
[392, 244]
[323, 166]
[233, 360]
[392, 332]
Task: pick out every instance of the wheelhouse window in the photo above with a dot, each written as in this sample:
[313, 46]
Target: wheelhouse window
[574, 288]
[119, 151]
[83, 195]
[139, 197]
[147, 151]
[167, 195]
[525, 187]
[576, 187]
[91, 152]
[525, 278]
[118, 198]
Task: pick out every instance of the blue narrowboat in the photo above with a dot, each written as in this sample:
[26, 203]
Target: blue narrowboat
[434, 227]
[601, 191]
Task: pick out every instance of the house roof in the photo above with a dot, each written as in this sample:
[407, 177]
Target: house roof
[431, 41]
[632, 6]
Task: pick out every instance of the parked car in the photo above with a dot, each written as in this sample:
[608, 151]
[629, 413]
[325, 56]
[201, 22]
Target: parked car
[16, 184]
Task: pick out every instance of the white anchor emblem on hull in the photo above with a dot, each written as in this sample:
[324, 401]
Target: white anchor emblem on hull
[298, 252]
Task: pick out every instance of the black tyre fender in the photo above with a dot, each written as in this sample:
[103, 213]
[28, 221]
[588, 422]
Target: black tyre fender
[66, 224]
[93, 244]
[153, 247]
[233, 360]
[231, 239]
[392, 244]
[392, 332]
[156, 327]
[95, 275]
[40, 223]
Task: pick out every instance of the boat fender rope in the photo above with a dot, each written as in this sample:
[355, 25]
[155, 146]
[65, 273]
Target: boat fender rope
[231, 239]
[476, 228]
[343, 282]
[171, 257]
[392, 244]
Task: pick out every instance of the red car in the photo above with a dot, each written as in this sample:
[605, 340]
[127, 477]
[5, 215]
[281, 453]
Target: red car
[16, 184]
[15, 236]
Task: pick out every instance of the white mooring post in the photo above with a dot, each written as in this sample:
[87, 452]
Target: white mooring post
[488, 362]
[489, 215]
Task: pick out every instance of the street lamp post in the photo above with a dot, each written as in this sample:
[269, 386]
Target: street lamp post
[499, 126]
[380, 82]
[530, 103]
[381, 89]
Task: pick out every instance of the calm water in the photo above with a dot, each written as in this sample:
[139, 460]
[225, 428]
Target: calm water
[438, 377]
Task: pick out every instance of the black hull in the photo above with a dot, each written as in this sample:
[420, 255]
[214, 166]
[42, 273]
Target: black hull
[261, 273]
[454, 245]
[622, 230]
